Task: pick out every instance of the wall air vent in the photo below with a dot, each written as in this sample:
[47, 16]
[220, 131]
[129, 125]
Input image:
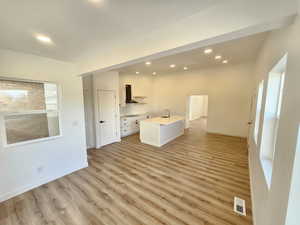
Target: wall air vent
[239, 206]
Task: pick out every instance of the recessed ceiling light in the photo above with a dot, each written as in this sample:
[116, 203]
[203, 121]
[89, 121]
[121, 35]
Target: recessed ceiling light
[225, 61]
[185, 68]
[44, 39]
[154, 73]
[148, 63]
[208, 51]
[218, 57]
[137, 72]
[172, 65]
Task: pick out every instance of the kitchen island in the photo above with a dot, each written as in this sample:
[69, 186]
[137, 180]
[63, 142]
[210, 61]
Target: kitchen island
[159, 131]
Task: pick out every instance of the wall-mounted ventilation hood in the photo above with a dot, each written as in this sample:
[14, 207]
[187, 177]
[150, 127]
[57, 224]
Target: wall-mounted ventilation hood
[129, 94]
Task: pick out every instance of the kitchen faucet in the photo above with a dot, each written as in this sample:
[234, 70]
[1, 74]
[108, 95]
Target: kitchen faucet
[168, 113]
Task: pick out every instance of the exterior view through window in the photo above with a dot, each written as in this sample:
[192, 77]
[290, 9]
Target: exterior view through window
[28, 111]
[258, 109]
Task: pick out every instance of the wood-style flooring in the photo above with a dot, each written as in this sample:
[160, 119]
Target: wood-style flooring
[190, 181]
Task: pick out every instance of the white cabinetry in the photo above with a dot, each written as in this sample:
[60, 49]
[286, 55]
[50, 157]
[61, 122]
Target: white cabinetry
[159, 131]
[130, 124]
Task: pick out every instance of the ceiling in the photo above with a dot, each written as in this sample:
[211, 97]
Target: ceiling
[79, 26]
[235, 51]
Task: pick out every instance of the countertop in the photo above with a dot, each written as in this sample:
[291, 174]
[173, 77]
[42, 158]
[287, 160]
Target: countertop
[164, 121]
[133, 115]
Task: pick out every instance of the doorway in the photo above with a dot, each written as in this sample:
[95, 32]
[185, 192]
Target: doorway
[198, 111]
[107, 117]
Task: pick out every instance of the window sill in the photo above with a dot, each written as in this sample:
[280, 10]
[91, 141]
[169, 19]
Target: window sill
[31, 142]
[267, 166]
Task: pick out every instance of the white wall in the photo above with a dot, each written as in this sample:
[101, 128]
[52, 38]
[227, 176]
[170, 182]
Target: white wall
[55, 158]
[229, 92]
[292, 217]
[270, 205]
[228, 88]
[88, 96]
[198, 106]
[106, 81]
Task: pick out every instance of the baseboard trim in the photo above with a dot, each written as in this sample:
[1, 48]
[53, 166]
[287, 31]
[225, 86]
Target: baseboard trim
[29, 187]
[90, 146]
[114, 141]
[227, 135]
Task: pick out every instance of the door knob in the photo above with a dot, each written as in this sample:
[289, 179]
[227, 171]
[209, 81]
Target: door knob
[101, 121]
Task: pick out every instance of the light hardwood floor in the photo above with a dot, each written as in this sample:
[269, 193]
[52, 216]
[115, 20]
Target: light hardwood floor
[190, 181]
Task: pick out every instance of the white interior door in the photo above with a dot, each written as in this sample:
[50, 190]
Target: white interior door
[107, 116]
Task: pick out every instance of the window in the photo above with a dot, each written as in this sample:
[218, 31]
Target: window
[272, 116]
[258, 109]
[28, 111]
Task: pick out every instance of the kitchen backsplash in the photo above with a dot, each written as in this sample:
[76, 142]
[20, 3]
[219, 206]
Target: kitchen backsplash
[130, 109]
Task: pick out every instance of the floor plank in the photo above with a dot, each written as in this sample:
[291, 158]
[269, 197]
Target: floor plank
[190, 181]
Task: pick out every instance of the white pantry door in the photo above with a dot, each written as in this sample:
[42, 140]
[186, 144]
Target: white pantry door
[107, 116]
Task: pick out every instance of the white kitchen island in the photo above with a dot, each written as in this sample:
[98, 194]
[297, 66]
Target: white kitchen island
[159, 131]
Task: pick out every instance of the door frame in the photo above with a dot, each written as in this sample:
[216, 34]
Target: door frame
[98, 138]
[251, 118]
[187, 109]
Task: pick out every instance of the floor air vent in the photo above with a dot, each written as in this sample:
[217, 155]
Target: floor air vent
[239, 206]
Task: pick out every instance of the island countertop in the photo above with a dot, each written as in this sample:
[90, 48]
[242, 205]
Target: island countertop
[164, 121]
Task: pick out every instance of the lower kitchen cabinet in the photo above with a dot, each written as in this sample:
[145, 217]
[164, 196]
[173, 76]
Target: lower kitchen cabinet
[131, 125]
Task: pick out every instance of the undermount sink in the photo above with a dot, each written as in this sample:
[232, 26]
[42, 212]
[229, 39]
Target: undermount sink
[165, 116]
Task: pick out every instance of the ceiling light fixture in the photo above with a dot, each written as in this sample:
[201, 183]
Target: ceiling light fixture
[44, 39]
[148, 63]
[172, 65]
[208, 51]
[185, 68]
[225, 61]
[217, 57]
[137, 72]
[154, 73]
